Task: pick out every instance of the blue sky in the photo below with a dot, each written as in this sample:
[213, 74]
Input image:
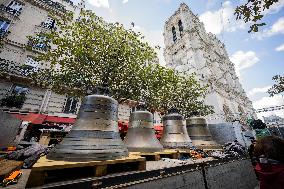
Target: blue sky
[257, 57]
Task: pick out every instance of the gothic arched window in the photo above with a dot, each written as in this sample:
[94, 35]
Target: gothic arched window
[174, 34]
[180, 26]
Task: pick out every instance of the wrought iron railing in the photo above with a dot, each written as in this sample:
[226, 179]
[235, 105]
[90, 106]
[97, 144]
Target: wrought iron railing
[10, 10]
[70, 2]
[55, 5]
[14, 68]
[48, 26]
[38, 46]
[3, 33]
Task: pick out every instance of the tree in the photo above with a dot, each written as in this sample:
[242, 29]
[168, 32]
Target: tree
[278, 87]
[89, 52]
[253, 11]
[163, 88]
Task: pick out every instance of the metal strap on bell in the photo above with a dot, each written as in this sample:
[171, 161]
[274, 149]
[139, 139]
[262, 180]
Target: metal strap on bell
[199, 133]
[141, 136]
[174, 133]
[95, 134]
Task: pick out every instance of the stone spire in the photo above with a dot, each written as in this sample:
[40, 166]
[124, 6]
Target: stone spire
[82, 5]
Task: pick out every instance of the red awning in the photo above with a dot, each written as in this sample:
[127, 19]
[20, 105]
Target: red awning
[41, 118]
[31, 117]
[55, 119]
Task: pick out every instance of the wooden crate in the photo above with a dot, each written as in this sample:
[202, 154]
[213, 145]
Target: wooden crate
[48, 171]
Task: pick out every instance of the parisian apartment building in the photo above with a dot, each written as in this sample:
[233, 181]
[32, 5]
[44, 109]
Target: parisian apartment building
[19, 19]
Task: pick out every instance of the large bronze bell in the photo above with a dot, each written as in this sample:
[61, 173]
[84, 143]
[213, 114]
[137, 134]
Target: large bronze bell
[199, 133]
[95, 135]
[174, 132]
[141, 136]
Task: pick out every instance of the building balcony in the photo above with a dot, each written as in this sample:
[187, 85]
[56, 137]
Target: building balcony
[10, 10]
[51, 5]
[3, 33]
[40, 47]
[48, 26]
[11, 68]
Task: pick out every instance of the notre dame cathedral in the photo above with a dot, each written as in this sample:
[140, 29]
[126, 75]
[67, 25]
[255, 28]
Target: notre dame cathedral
[190, 49]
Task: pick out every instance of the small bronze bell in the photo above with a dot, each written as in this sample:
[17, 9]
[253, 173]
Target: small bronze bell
[174, 132]
[199, 133]
[141, 136]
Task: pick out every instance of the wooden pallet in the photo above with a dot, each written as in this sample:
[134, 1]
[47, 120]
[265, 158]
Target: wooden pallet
[156, 156]
[48, 171]
[149, 156]
[172, 154]
[8, 166]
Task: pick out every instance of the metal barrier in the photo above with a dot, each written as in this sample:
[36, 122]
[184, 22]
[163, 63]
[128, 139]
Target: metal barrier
[219, 174]
[236, 174]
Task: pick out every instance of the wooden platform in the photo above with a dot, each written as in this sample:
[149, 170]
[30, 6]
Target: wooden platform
[8, 166]
[48, 171]
[156, 156]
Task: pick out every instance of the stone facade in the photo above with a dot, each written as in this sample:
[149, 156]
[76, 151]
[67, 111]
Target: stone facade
[22, 18]
[19, 19]
[189, 49]
[27, 18]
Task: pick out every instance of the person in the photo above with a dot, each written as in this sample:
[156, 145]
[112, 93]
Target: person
[251, 150]
[270, 165]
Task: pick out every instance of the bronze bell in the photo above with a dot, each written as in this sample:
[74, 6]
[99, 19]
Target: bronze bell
[174, 133]
[199, 133]
[141, 136]
[95, 134]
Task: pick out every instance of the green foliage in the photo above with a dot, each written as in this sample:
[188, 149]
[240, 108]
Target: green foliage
[253, 11]
[278, 87]
[13, 101]
[89, 52]
[162, 88]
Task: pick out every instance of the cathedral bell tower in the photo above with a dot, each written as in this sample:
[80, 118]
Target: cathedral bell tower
[190, 49]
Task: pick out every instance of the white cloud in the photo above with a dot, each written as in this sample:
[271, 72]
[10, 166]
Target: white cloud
[221, 20]
[124, 1]
[99, 3]
[278, 26]
[255, 91]
[266, 102]
[154, 38]
[280, 48]
[244, 60]
[275, 29]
